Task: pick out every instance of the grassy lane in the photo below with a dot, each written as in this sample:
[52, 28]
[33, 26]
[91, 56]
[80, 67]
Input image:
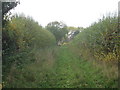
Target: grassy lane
[72, 71]
[60, 68]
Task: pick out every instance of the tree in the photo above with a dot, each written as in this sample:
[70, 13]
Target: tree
[59, 29]
[6, 7]
[72, 28]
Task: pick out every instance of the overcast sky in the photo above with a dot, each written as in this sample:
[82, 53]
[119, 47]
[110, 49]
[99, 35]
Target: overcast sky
[72, 12]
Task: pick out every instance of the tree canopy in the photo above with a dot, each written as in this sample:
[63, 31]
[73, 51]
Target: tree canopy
[6, 7]
[59, 29]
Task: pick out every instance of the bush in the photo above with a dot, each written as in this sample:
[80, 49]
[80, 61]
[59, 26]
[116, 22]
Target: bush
[101, 39]
[23, 32]
[21, 36]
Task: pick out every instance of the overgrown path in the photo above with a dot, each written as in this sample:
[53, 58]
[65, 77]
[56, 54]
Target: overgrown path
[71, 71]
[60, 69]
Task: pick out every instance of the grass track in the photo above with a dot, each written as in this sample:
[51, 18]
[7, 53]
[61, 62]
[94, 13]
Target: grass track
[65, 70]
[72, 72]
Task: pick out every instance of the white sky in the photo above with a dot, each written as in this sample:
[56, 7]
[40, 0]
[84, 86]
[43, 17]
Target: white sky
[72, 12]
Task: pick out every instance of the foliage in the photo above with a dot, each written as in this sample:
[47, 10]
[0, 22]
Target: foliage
[72, 28]
[20, 35]
[75, 28]
[31, 59]
[61, 68]
[22, 32]
[6, 7]
[101, 39]
[59, 29]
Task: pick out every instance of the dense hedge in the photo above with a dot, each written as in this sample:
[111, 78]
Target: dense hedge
[100, 40]
[20, 38]
[23, 32]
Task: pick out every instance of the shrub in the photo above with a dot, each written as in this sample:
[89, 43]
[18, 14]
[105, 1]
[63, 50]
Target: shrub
[21, 36]
[23, 32]
[101, 39]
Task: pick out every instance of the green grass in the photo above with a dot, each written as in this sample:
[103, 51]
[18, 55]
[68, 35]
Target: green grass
[74, 72]
[60, 68]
